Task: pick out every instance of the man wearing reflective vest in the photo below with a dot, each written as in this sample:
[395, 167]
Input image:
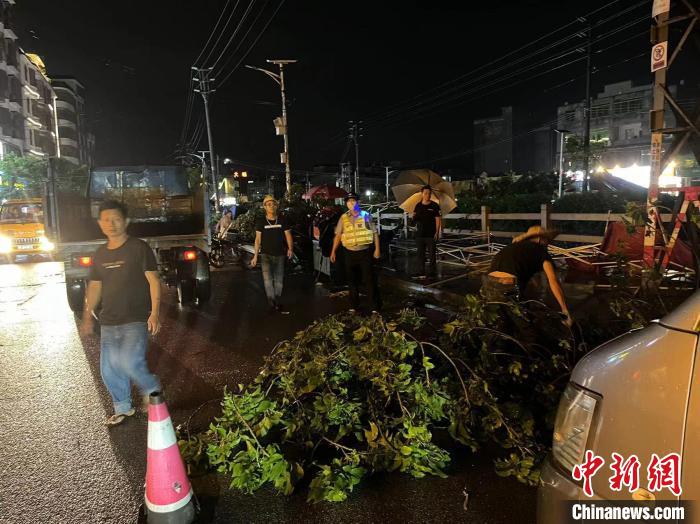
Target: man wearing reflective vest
[356, 231]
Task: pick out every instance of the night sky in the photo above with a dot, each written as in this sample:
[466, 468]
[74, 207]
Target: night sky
[354, 59]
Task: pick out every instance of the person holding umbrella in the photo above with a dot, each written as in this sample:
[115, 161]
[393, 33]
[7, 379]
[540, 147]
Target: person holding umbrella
[427, 197]
[357, 233]
[428, 219]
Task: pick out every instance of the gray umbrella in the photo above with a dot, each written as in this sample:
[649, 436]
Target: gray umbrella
[408, 185]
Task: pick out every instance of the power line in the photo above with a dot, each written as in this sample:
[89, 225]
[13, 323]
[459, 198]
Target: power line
[437, 102]
[374, 115]
[235, 32]
[190, 90]
[540, 127]
[221, 33]
[595, 71]
[211, 35]
[260, 34]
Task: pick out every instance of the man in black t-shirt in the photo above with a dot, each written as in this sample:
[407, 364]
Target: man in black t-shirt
[273, 239]
[514, 266]
[124, 277]
[428, 220]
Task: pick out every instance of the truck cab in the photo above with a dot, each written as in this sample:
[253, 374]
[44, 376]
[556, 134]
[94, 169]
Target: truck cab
[22, 229]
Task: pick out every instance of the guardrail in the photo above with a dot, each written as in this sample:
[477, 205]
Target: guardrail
[545, 217]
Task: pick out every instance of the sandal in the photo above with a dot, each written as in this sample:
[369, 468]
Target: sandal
[118, 418]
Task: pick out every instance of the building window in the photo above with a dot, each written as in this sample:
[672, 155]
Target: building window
[623, 107]
[570, 115]
[631, 131]
[600, 111]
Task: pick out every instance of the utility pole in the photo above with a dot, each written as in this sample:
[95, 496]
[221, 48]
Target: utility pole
[355, 128]
[687, 126]
[281, 125]
[659, 36]
[204, 80]
[587, 116]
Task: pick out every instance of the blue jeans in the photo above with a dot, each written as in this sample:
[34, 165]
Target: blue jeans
[273, 275]
[123, 361]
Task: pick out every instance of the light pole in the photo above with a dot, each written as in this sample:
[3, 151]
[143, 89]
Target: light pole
[562, 133]
[279, 78]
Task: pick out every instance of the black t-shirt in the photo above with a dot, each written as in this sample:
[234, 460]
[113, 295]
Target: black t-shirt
[272, 242]
[522, 259]
[425, 218]
[125, 292]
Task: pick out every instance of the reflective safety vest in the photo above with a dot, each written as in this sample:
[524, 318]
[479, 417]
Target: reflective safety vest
[356, 233]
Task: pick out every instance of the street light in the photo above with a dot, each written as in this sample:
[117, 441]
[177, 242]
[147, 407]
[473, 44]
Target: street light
[562, 133]
[279, 79]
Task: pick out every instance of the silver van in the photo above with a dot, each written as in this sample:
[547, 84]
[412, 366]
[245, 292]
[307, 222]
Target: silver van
[637, 395]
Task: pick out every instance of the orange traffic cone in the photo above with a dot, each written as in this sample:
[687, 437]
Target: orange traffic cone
[168, 490]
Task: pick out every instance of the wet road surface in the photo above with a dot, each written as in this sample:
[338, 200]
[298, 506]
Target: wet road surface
[59, 463]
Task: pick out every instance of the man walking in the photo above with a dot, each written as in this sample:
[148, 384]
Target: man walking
[273, 238]
[514, 266]
[356, 231]
[428, 220]
[124, 276]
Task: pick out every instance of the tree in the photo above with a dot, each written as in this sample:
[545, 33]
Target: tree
[22, 176]
[25, 176]
[575, 153]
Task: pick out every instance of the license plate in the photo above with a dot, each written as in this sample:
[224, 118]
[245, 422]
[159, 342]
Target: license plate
[24, 247]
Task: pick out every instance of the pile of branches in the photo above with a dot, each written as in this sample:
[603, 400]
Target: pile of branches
[350, 396]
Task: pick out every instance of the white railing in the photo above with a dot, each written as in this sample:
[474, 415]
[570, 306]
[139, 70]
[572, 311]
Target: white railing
[545, 217]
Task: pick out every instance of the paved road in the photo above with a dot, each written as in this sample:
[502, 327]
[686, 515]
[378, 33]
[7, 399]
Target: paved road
[58, 463]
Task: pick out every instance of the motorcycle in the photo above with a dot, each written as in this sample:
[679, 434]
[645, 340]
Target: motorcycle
[223, 251]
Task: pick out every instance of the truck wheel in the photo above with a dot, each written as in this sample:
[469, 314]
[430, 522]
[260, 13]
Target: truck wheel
[185, 290]
[75, 291]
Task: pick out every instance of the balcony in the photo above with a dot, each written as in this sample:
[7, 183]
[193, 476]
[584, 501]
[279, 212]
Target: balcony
[69, 142]
[62, 104]
[35, 151]
[32, 92]
[62, 122]
[33, 123]
[10, 69]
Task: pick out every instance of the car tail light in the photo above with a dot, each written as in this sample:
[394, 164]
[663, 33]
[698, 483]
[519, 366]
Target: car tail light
[573, 423]
[85, 261]
[189, 255]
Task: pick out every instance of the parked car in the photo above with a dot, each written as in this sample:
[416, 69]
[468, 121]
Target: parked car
[636, 395]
